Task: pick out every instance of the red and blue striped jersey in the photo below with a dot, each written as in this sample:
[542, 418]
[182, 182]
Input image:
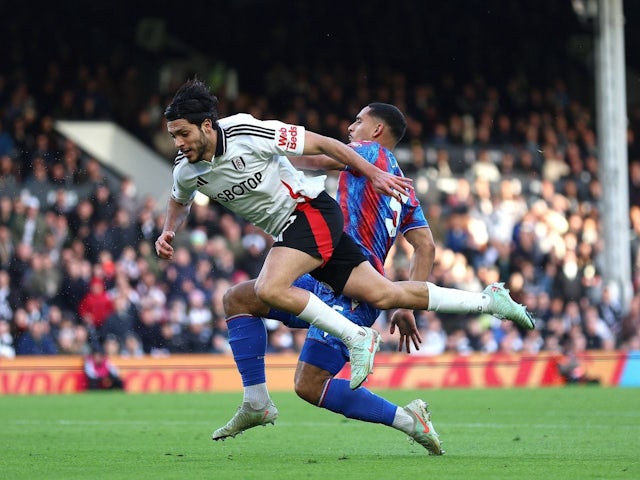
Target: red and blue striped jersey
[372, 219]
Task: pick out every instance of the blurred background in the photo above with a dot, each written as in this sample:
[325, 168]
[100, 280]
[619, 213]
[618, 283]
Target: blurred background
[502, 141]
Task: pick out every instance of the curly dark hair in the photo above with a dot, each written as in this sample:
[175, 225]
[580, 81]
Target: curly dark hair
[194, 102]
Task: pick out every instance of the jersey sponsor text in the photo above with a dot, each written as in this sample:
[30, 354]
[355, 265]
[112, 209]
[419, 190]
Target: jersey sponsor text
[239, 189]
[288, 138]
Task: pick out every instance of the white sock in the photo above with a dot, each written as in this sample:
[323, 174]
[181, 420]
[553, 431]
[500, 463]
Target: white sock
[257, 395]
[321, 315]
[452, 300]
[403, 421]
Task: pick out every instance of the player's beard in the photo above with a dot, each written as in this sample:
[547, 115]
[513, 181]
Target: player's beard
[200, 148]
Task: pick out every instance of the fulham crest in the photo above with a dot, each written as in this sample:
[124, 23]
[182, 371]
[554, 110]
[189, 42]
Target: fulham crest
[238, 163]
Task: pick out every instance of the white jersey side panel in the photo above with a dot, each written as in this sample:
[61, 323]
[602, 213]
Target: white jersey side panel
[248, 174]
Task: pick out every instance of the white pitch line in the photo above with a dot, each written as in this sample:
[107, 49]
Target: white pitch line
[341, 424]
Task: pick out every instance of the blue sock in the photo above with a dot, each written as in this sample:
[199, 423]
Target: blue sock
[288, 319]
[360, 404]
[248, 341]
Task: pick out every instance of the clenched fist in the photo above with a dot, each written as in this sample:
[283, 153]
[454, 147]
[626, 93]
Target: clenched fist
[163, 244]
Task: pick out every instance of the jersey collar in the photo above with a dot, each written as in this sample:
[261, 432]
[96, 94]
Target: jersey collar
[221, 143]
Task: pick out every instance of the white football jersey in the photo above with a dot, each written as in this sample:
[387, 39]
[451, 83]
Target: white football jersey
[249, 173]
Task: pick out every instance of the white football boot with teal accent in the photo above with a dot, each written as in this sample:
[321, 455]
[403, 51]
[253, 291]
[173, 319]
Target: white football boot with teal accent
[246, 418]
[423, 431]
[502, 306]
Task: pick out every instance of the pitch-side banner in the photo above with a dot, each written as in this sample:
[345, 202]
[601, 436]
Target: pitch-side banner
[217, 373]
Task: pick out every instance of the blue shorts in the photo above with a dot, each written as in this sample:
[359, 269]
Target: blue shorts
[321, 349]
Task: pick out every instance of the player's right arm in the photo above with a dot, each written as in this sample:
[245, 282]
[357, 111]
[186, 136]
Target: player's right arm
[176, 215]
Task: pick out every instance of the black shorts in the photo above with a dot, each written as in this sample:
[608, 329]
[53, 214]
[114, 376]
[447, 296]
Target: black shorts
[316, 228]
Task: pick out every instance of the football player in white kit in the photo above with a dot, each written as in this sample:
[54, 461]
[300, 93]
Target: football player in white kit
[238, 162]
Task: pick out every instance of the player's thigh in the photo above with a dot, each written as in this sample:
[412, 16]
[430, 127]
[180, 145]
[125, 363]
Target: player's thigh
[366, 284]
[283, 265]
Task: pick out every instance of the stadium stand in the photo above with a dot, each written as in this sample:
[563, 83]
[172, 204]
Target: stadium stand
[507, 171]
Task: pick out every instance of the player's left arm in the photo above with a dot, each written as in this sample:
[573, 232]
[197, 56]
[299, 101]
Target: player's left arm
[424, 252]
[383, 182]
[316, 162]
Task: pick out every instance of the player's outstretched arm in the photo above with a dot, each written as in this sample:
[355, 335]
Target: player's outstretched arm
[383, 182]
[316, 162]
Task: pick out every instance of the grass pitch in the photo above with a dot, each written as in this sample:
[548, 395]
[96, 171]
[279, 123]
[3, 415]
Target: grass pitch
[566, 433]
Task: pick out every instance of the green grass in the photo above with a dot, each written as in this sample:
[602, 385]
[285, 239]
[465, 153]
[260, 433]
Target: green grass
[567, 433]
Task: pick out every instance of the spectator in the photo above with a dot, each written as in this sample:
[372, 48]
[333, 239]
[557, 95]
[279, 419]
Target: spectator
[196, 338]
[255, 249]
[127, 198]
[132, 347]
[198, 312]
[101, 239]
[43, 279]
[38, 184]
[9, 184]
[148, 331]
[7, 145]
[280, 340]
[569, 364]
[111, 346]
[124, 231]
[100, 372]
[173, 339]
[458, 342]
[80, 219]
[610, 310]
[6, 243]
[74, 339]
[104, 204]
[434, 338]
[19, 265]
[36, 340]
[95, 306]
[597, 333]
[28, 225]
[9, 299]
[121, 321]
[75, 282]
[7, 350]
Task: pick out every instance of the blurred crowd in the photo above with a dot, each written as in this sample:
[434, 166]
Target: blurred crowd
[508, 176]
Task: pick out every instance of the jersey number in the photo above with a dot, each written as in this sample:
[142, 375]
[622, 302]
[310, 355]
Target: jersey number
[396, 208]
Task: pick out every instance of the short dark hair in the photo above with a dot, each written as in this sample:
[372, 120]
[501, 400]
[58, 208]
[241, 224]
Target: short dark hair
[194, 102]
[392, 116]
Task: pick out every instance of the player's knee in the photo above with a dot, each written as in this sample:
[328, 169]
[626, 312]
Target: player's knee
[302, 391]
[268, 293]
[307, 394]
[231, 302]
[308, 389]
